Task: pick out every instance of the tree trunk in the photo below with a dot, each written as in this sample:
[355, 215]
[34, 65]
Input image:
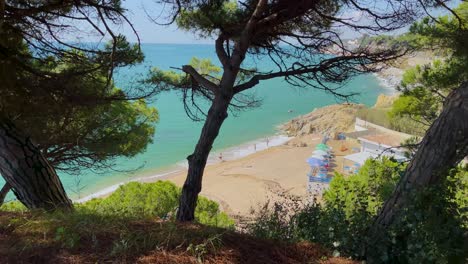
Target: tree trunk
[197, 161]
[443, 147]
[33, 180]
[5, 189]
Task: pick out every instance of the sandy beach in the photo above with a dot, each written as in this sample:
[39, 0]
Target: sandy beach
[251, 174]
[249, 182]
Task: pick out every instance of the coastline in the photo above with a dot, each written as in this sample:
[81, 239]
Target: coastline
[259, 173]
[390, 78]
[228, 154]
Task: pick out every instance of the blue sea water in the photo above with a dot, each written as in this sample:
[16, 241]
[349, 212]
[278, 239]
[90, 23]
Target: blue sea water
[176, 134]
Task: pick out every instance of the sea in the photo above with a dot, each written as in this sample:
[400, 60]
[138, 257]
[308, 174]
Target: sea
[176, 134]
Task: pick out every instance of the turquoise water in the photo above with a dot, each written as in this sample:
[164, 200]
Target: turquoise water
[176, 134]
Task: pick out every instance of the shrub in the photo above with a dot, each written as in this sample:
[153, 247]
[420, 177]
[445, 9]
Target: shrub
[158, 199]
[137, 199]
[13, 206]
[275, 223]
[208, 213]
[433, 228]
[145, 200]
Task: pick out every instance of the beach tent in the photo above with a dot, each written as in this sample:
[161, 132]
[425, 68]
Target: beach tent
[321, 152]
[313, 162]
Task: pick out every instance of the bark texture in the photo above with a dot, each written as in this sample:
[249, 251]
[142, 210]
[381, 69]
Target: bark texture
[3, 192]
[443, 147]
[197, 161]
[32, 179]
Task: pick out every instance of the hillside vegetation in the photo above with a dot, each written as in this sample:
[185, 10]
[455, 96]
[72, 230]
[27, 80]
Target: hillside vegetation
[136, 224]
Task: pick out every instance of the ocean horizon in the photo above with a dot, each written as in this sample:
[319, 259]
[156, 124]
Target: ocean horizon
[176, 134]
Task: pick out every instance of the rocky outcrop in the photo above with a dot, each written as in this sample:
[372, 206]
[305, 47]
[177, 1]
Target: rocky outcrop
[330, 119]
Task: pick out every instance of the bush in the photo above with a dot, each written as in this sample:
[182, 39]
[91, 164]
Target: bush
[158, 199]
[432, 228]
[276, 222]
[145, 200]
[434, 225]
[137, 199]
[13, 206]
[207, 212]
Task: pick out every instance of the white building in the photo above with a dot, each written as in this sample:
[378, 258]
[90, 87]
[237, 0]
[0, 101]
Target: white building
[378, 145]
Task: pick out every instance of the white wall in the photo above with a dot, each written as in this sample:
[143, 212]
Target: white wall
[379, 149]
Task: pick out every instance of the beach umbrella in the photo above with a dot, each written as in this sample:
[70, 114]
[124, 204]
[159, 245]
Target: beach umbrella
[320, 152]
[313, 162]
[319, 157]
[326, 148]
[322, 146]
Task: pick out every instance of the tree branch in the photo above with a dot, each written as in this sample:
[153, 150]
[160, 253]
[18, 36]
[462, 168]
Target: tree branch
[323, 66]
[200, 79]
[221, 52]
[243, 44]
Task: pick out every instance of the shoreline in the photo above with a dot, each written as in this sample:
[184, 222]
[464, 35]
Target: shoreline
[253, 174]
[177, 172]
[228, 154]
[389, 79]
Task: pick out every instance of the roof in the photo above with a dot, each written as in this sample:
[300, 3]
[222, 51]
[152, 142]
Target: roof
[361, 157]
[387, 139]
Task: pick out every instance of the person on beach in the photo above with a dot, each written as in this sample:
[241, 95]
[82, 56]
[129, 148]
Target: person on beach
[255, 147]
[267, 141]
[221, 156]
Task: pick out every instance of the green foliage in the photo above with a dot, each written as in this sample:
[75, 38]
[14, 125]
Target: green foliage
[276, 222]
[67, 238]
[210, 16]
[374, 182]
[400, 116]
[169, 79]
[200, 250]
[13, 206]
[81, 120]
[136, 200]
[419, 105]
[434, 225]
[114, 237]
[425, 87]
[159, 199]
[206, 68]
[449, 33]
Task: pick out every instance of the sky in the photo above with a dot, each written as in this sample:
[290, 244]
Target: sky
[148, 31]
[140, 13]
